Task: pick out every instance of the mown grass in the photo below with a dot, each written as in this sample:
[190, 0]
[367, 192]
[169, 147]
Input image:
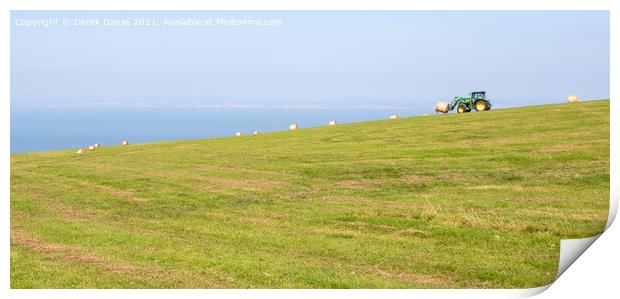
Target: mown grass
[479, 200]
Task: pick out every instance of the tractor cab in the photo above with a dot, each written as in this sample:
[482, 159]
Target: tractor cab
[478, 95]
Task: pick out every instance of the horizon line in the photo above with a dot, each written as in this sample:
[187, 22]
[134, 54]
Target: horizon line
[218, 106]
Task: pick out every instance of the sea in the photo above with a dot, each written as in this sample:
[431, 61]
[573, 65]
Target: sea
[44, 128]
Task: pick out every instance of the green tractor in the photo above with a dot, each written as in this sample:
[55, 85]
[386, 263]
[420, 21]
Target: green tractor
[477, 100]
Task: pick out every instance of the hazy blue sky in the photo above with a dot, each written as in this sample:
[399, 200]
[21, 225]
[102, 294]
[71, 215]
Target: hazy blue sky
[326, 58]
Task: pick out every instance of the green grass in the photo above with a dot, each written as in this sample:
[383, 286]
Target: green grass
[479, 200]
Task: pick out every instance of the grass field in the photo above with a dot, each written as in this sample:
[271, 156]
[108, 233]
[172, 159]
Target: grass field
[479, 200]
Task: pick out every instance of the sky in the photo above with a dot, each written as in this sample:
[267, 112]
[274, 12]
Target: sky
[308, 58]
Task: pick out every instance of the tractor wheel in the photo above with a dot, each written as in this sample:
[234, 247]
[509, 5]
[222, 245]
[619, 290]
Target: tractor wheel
[461, 109]
[481, 105]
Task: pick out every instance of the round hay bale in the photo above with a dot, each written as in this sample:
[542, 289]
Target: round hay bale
[125, 143]
[573, 98]
[255, 133]
[80, 151]
[395, 116]
[442, 107]
[293, 127]
[91, 148]
[332, 122]
[239, 134]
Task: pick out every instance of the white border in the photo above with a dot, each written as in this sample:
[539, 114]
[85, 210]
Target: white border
[566, 285]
